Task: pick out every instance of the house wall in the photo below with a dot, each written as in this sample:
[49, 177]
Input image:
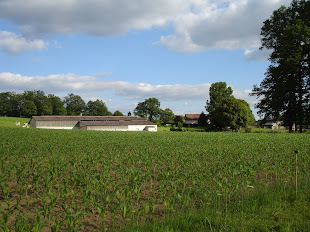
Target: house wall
[121, 128]
[105, 128]
[151, 128]
[188, 121]
[76, 125]
[139, 127]
[33, 123]
[57, 125]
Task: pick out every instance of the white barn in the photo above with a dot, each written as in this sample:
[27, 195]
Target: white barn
[102, 123]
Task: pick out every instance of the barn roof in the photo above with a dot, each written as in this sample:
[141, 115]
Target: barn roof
[98, 120]
[193, 116]
[86, 118]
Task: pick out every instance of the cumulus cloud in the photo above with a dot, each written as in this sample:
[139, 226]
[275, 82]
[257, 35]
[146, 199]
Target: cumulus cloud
[86, 84]
[233, 24]
[14, 44]
[256, 54]
[95, 17]
[120, 95]
[198, 24]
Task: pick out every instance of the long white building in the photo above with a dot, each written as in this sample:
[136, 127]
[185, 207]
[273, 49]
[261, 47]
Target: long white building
[102, 123]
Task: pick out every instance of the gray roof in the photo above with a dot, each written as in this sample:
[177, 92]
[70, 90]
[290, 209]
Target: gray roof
[98, 120]
[85, 118]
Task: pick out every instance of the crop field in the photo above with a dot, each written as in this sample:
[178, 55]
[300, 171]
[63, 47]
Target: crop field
[61, 180]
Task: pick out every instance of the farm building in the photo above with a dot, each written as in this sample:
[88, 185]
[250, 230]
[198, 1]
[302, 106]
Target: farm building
[103, 123]
[192, 119]
[273, 125]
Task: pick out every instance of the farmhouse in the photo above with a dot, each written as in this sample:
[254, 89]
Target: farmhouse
[103, 123]
[192, 119]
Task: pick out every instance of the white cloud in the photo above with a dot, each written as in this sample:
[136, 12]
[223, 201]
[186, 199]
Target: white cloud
[198, 24]
[190, 98]
[233, 24]
[95, 17]
[86, 84]
[256, 54]
[14, 44]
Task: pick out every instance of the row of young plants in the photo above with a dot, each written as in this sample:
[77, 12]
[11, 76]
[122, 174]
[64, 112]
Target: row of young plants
[86, 180]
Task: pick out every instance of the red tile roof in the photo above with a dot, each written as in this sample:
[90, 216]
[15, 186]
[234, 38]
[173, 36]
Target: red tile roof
[192, 116]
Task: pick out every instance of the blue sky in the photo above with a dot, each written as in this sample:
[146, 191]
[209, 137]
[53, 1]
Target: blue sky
[126, 51]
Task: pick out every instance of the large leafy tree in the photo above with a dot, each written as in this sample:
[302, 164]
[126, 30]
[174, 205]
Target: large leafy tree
[16, 101]
[75, 105]
[5, 104]
[150, 109]
[218, 93]
[57, 105]
[202, 120]
[97, 108]
[167, 115]
[40, 100]
[225, 111]
[28, 109]
[42, 103]
[118, 113]
[285, 91]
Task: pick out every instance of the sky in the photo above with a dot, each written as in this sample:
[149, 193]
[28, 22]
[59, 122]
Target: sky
[124, 52]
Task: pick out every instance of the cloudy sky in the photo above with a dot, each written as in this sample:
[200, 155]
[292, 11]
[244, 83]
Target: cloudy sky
[124, 51]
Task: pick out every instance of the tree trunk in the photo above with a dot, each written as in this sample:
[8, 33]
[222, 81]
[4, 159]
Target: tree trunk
[290, 128]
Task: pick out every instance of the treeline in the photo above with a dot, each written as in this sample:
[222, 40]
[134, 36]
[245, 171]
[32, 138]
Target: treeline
[36, 102]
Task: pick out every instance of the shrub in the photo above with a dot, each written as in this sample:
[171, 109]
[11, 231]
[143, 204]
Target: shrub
[180, 125]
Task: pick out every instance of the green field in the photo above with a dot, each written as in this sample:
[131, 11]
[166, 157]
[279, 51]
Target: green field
[10, 121]
[63, 180]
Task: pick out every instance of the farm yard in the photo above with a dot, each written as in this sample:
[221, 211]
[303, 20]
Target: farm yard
[60, 180]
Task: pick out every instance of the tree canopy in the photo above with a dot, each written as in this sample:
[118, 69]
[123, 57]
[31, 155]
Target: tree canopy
[166, 115]
[150, 109]
[75, 105]
[118, 113]
[97, 108]
[30, 103]
[225, 111]
[285, 91]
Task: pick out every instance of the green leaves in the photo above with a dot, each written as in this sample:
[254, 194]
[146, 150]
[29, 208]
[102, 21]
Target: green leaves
[76, 180]
[285, 90]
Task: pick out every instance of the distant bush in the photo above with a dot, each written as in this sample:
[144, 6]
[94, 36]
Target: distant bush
[175, 129]
[180, 125]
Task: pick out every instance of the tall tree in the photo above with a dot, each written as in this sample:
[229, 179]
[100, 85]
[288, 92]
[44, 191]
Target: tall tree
[150, 109]
[40, 100]
[202, 120]
[218, 93]
[167, 115]
[57, 105]
[225, 111]
[16, 101]
[75, 105]
[118, 113]
[97, 108]
[42, 103]
[285, 91]
[28, 109]
[5, 104]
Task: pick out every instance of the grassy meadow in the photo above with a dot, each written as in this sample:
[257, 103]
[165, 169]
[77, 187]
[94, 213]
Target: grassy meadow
[10, 121]
[75, 180]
